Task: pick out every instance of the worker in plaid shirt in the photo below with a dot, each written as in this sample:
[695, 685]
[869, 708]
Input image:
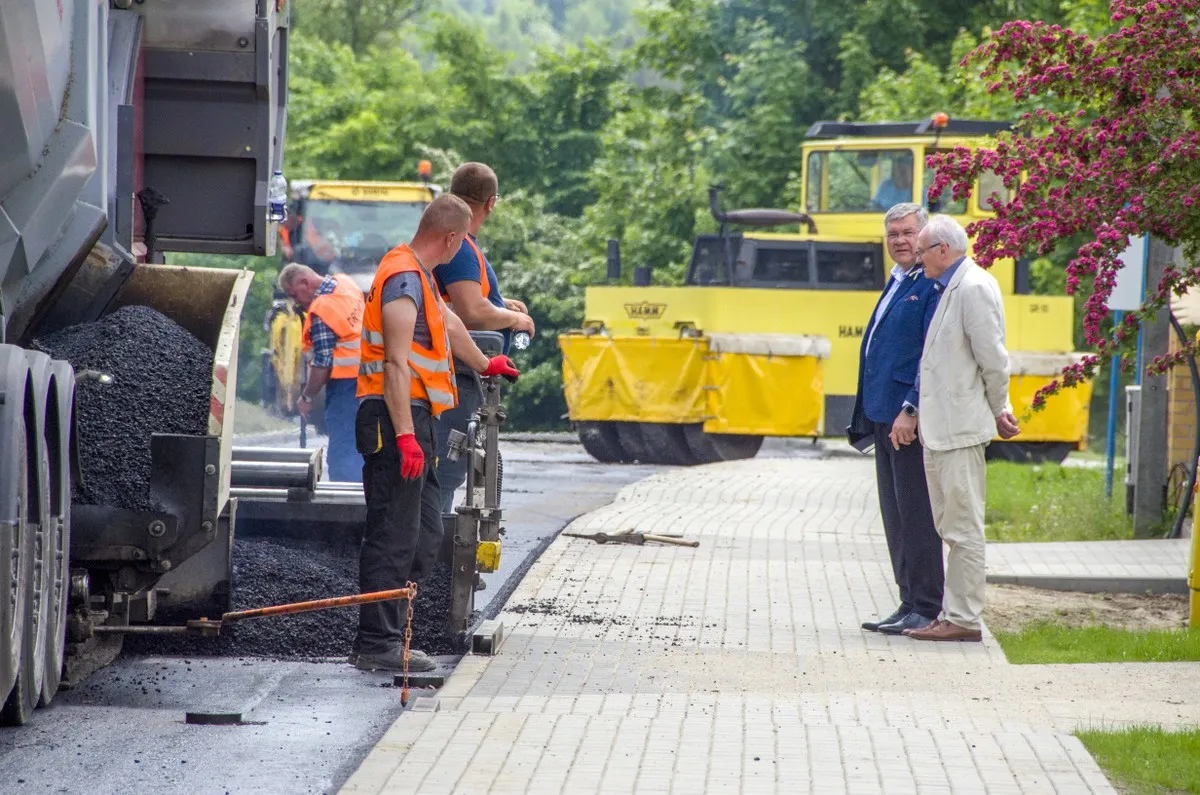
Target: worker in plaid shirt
[332, 335]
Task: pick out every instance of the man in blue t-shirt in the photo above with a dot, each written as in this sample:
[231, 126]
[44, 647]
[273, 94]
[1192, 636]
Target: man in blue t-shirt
[469, 284]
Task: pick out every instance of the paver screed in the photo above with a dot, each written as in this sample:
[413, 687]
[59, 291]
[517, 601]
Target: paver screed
[739, 666]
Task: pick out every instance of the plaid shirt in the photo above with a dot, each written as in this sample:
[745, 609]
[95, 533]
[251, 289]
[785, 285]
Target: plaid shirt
[321, 335]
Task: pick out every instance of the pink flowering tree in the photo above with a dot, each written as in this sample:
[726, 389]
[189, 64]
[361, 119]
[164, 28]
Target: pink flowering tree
[1123, 161]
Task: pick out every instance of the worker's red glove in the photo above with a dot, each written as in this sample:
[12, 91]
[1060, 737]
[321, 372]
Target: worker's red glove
[501, 365]
[412, 459]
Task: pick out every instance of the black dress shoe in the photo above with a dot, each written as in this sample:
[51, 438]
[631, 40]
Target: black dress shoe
[910, 621]
[873, 626]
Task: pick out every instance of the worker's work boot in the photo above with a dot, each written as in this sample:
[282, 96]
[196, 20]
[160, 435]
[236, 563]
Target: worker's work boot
[393, 660]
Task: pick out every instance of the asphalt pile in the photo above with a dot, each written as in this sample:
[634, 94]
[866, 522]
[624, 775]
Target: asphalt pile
[280, 571]
[162, 379]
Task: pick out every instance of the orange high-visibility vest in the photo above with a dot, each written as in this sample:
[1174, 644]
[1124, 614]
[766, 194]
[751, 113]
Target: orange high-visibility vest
[342, 311]
[432, 368]
[485, 285]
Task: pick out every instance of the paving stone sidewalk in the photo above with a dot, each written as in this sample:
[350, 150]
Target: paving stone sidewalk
[739, 666]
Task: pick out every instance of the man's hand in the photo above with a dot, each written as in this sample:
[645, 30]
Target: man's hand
[904, 430]
[1007, 426]
[501, 365]
[514, 305]
[412, 459]
[304, 408]
[287, 251]
[524, 323]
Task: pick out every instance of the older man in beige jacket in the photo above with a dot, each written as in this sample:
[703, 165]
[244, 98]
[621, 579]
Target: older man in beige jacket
[963, 388]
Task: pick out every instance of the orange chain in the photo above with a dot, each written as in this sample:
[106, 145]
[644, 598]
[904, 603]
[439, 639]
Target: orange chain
[412, 595]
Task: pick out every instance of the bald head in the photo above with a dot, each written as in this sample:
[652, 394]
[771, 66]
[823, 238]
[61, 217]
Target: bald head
[445, 215]
[443, 226]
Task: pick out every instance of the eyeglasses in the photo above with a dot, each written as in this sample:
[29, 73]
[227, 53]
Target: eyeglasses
[921, 251]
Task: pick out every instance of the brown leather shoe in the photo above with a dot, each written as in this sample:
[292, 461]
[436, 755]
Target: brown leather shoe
[934, 625]
[945, 630]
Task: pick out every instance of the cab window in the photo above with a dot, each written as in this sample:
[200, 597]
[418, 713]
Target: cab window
[859, 181]
[991, 184]
[945, 201]
[709, 258]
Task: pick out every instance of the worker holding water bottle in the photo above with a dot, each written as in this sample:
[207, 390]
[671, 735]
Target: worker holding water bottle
[469, 285]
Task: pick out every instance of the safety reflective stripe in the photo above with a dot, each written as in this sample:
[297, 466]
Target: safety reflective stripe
[370, 368]
[345, 361]
[350, 345]
[372, 337]
[425, 363]
[438, 396]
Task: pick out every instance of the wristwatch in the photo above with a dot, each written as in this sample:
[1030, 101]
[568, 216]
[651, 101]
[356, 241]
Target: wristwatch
[910, 409]
[306, 399]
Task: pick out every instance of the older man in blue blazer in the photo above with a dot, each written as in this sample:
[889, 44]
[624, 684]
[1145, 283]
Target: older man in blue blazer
[888, 404]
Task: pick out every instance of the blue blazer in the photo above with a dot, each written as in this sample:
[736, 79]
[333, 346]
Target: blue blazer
[887, 374]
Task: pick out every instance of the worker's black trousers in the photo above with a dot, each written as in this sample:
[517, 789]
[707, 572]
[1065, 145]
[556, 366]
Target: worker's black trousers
[913, 542]
[404, 522]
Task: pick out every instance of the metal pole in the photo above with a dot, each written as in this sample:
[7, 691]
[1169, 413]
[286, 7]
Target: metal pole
[1149, 497]
[1111, 435]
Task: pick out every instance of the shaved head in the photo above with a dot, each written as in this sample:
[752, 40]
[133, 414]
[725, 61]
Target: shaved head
[443, 227]
[445, 215]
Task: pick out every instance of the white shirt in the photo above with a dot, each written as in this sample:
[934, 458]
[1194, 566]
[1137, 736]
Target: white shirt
[898, 274]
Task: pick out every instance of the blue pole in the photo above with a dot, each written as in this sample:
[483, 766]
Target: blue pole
[1111, 436]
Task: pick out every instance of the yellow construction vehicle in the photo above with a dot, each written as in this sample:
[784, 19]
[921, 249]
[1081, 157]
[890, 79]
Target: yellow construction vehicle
[333, 227]
[763, 339]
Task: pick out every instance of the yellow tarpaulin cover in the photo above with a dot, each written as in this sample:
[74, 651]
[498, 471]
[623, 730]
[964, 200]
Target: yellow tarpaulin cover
[648, 379]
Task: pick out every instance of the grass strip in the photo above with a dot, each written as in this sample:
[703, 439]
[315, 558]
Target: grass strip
[1046, 642]
[1147, 760]
[1049, 502]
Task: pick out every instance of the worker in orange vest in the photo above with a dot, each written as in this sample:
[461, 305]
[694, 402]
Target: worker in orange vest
[470, 286]
[332, 338]
[405, 381]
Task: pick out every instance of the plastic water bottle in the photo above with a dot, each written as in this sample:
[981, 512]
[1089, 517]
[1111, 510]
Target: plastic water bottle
[277, 199]
[520, 340]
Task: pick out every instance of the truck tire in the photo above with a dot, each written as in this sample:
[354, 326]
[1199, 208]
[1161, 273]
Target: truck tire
[20, 636]
[709, 448]
[58, 539]
[665, 444]
[1029, 452]
[40, 405]
[15, 545]
[629, 434]
[600, 441]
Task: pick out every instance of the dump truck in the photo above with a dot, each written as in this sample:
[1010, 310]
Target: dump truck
[763, 338]
[127, 129]
[333, 226]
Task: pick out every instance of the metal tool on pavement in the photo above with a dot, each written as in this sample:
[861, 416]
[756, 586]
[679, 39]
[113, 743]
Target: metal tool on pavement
[212, 628]
[637, 539]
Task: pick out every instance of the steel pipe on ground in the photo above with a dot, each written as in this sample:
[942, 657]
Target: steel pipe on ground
[281, 454]
[274, 474]
[322, 495]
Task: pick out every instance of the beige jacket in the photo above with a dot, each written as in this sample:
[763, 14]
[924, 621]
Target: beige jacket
[964, 365]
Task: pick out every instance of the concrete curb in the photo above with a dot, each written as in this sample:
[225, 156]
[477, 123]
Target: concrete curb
[1138, 585]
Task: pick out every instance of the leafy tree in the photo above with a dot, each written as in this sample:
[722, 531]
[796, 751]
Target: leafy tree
[1123, 163]
[358, 24]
